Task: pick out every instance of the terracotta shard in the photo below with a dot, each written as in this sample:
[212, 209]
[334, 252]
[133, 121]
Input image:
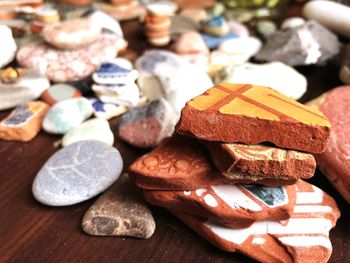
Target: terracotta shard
[236, 206]
[334, 162]
[302, 238]
[24, 122]
[181, 163]
[253, 114]
[236, 161]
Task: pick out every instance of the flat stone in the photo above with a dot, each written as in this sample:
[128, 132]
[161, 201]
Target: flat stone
[190, 43]
[107, 110]
[334, 16]
[286, 79]
[66, 115]
[293, 22]
[124, 12]
[60, 92]
[147, 126]
[29, 85]
[121, 211]
[238, 28]
[24, 122]
[72, 34]
[235, 51]
[94, 129]
[8, 46]
[105, 22]
[77, 173]
[266, 28]
[307, 44]
[63, 65]
[216, 26]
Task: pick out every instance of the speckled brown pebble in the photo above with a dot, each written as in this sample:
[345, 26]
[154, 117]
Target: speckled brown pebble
[120, 212]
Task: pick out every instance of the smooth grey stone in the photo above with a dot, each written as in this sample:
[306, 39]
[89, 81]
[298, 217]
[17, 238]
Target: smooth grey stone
[8, 46]
[307, 44]
[77, 173]
[121, 211]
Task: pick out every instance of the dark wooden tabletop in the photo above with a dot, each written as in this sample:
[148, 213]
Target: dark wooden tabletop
[31, 232]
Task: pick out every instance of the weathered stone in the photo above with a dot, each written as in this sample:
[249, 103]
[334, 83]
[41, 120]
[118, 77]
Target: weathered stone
[60, 92]
[146, 126]
[77, 173]
[285, 80]
[94, 129]
[106, 110]
[216, 26]
[120, 211]
[307, 44]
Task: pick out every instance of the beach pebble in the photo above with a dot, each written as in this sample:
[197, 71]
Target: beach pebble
[150, 86]
[146, 126]
[293, 22]
[77, 173]
[285, 80]
[60, 92]
[266, 28]
[72, 34]
[24, 122]
[334, 16]
[94, 129]
[307, 44]
[66, 115]
[70, 65]
[235, 51]
[8, 46]
[121, 211]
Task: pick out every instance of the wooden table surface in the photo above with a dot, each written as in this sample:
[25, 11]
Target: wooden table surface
[31, 232]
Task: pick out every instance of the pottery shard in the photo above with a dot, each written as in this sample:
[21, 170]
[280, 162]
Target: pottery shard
[302, 238]
[239, 161]
[120, 211]
[307, 44]
[24, 122]
[146, 126]
[253, 114]
[235, 206]
[334, 162]
[181, 163]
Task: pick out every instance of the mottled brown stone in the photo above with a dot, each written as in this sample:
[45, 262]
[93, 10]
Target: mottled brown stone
[120, 211]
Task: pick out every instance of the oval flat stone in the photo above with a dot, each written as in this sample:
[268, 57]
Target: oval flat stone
[106, 110]
[94, 129]
[67, 114]
[60, 92]
[77, 173]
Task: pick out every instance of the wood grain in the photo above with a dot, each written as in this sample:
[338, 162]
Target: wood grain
[31, 232]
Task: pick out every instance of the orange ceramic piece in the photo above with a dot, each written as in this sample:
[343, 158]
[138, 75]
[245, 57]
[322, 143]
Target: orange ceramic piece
[24, 122]
[253, 114]
[302, 238]
[181, 163]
